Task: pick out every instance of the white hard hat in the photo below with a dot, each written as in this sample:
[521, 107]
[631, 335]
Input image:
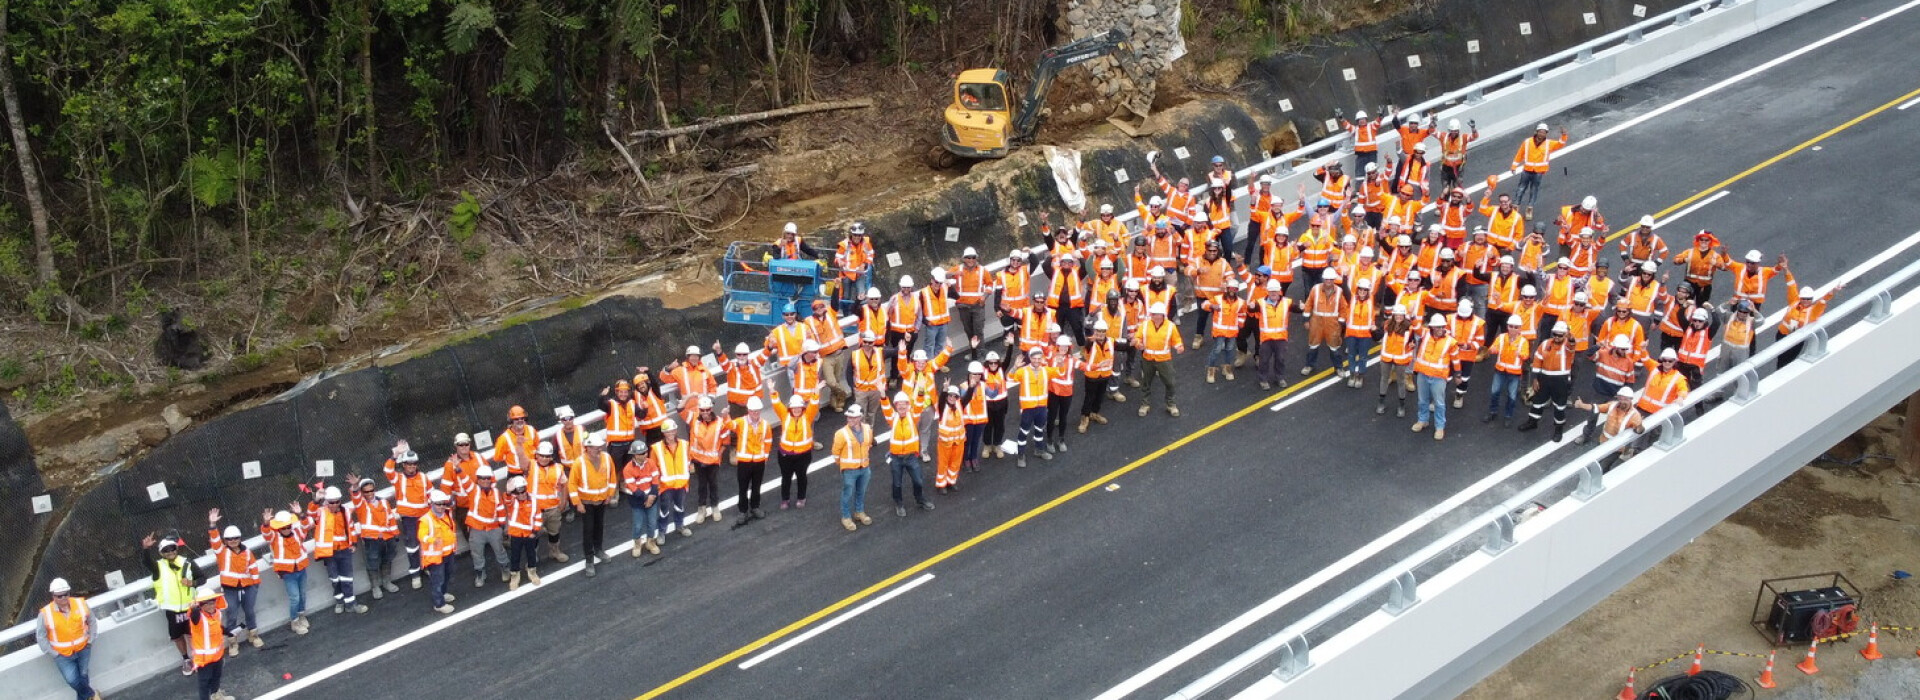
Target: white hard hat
[901, 397]
[1579, 297]
[1330, 276]
[976, 368]
[517, 483]
[1366, 252]
[939, 274]
[410, 457]
[919, 356]
[1397, 310]
[693, 350]
[1436, 320]
[993, 356]
[1372, 167]
[231, 533]
[545, 450]
[1560, 327]
[1133, 285]
[1434, 228]
[1274, 286]
[563, 413]
[1446, 253]
[1528, 291]
[1403, 239]
[1412, 116]
[706, 402]
[1542, 126]
[969, 253]
[462, 439]
[1646, 220]
[754, 403]
[438, 496]
[1063, 341]
[1420, 147]
[809, 345]
[1349, 238]
[1156, 201]
[906, 281]
[1036, 352]
[1360, 114]
[1363, 283]
[1506, 260]
[1585, 232]
[742, 349]
[1753, 256]
[596, 439]
[1267, 180]
[1101, 325]
[1018, 253]
[1106, 209]
[853, 411]
[1158, 309]
[791, 228]
[1700, 313]
[333, 493]
[1625, 392]
[1466, 307]
[60, 585]
[1589, 202]
[281, 519]
[1453, 125]
[1053, 328]
[1804, 292]
[1621, 342]
[1669, 354]
[873, 293]
[1563, 262]
[484, 472]
[1157, 272]
[1648, 266]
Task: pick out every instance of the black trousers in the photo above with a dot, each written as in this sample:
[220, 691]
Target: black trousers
[1554, 389]
[747, 475]
[793, 474]
[1451, 176]
[593, 528]
[1057, 417]
[209, 678]
[706, 484]
[996, 423]
[620, 451]
[1095, 393]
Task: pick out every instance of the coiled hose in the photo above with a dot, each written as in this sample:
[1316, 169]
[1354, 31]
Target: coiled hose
[1709, 685]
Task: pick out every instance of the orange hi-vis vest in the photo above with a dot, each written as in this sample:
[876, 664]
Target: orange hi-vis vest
[672, 462]
[1553, 359]
[1580, 327]
[1316, 248]
[1467, 334]
[972, 284]
[1453, 148]
[1273, 317]
[545, 483]
[788, 339]
[1015, 285]
[1673, 317]
[796, 428]
[744, 380]
[409, 492]
[1503, 291]
[436, 540]
[904, 437]
[1641, 297]
[1099, 362]
[1435, 357]
[1366, 136]
[1060, 374]
[805, 377]
[825, 329]
[694, 381]
[374, 519]
[67, 631]
[1580, 259]
[1064, 291]
[570, 442]
[1402, 211]
[903, 313]
[1410, 137]
[289, 552]
[1033, 326]
[933, 306]
[1157, 342]
[654, 413]
[1396, 348]
[1534, 157]
[515, 448]
[1209, 278]
[1334, 190]
[706, 437]
[1615, 368]
[1557, 296]
[853, 260]
[1663, 389]
[209, 634]
[1504, 228]
[1750, 282]
[1739, 332]
[869, 369]
[1228, 310]
[332, 532]
[620, 418]
[1695, 346]
[873, 319]
[486, 511]
[753, 439]
[591, 480]
[238, 569]
[1360, 317]
[1164, 250]
[850, 447]
[1032, 383]
[1529, 313]
[951, 427]
[974, 404]
[523, 518]
[1797, 317]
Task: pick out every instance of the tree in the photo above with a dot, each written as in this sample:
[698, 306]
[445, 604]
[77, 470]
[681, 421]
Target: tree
[46, 276]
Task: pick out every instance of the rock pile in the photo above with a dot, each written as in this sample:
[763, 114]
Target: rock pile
[1153, 32]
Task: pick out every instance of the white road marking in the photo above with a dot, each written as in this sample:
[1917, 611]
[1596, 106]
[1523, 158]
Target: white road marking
[1910, 103]
[835, 622]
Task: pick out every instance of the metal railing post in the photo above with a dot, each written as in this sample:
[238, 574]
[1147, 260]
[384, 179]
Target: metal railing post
[1585, 55]
[1499, 534]
[1591, 482]
[1532, 75]
[1402, 594]
[1634, 36]
[1815, 346]
[1882, 307]
[1673, 431]
[1294, 659]
[1748, 388]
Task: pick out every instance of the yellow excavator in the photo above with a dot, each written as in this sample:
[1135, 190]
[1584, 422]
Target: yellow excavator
[982, 122]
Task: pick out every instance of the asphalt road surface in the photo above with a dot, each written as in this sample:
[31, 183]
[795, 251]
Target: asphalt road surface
[1069, 578]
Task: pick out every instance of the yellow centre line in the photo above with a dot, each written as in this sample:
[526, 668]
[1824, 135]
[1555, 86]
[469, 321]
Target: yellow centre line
[1042, 509]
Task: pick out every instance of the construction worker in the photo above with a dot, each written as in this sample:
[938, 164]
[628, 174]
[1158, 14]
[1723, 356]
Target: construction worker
[1503, 294]
[1096, 374]
[652, 408]
[486, 519]
[1641, 245]
[868, 365]
[824, 326]
[903, 317]
[1706, 258]
[1574, 217]
[436, 548]
[287, 542]
[791, 247]
[208, 630]
[1398, 335]
[1411, 171]
[1510, 351]
[569, 442]
[456, 476]
[1600, 286]
[903, 452]
[935, 311]
[590, 489]
[950, 420]
[1030, 382]
[1225, 310]
[410, 488]
[993, 383]
[1696, 344]
[1583, 255]
[1612, 418]
[1581, 320]
[973, 283]
[1361, 320]
[547, 482]
[1061, 365]
[1316, 247]
[65, 634]
[783, 342]
[1532, 161]
[239, 579]
[524, 523]
[1552, 380]
[803, 373]
[1467, 331]
[1326, 305]
[1643, 295]
[872, 315]
[1737, 334]
[1434, 362]
[1366, 138]
[1453, 154]
[1505, 224]
[1272, 312]
[797, 445]
[707, 436]
[333, 541]
[174, 577]
[1808, 306]
[514, 448]
[378, 526]
[746, 379]
[1666, 386]
[672, 457]
[1673, 316]
[1750, 278]
[1105, 227]
[693, 381]
[851, 446]
[854, 257]
[1614, 365]
[1065, 298]
[640, 481]
[1158, 340]
[751, 438]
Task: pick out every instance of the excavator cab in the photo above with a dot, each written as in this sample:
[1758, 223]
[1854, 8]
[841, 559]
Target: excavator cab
[980, 121]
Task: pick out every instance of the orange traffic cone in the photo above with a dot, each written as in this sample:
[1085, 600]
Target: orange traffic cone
[1628, 692]
[1806, 665]
[1697, 653]
[1872, 652]
[1766, 673]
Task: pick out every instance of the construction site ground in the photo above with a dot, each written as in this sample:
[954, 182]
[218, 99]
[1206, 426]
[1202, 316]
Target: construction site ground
[1855, 511]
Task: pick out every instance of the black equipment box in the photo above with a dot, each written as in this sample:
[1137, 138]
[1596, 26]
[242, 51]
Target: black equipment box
[1783, 612]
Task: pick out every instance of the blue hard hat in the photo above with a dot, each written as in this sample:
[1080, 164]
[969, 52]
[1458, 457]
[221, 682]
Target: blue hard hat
[789, 308]
[1265, 270]
[1323, 203]
[1217, 160]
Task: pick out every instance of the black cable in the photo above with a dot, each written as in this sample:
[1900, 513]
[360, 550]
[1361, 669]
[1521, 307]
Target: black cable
[1709, 685]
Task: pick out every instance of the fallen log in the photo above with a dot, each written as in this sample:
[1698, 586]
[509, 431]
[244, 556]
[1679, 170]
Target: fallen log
[733, 119]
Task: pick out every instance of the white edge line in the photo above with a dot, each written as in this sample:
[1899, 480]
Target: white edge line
[1910, 103]
[835, 622]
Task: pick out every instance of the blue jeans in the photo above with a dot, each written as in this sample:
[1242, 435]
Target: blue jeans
[853, 491]
[646, 519]
[1529, 189]
[73, 670]
[1507, 386]
[296, 583]
[673, 507]
[1432, 400]
[906, 466]
[1356, 350]
[379, 554]
[1221, 353]
[437, 583]
[933, 339]
[241, 615]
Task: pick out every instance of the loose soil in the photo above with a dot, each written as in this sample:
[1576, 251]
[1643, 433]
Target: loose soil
[1860, 520]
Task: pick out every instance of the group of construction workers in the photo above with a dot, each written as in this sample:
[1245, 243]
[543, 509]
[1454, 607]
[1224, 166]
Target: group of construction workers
[1093, 311]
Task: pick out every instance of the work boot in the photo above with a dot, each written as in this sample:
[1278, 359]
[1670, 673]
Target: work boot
[928, 505]
[1487, 418]
[533, 576]
[1227, 372]
[448, 597]
[416, 582]
[479, 579]
[1060, 445]
[686, 532]
[378, 588]
[1173, 410]
[653, 545]
[1097, 418]
[848, 524]
[386, 582]
[359, 608]
[1084, 420]
[554, 551]
[1020, 461]
[1266, 386]
[1530, 424]
[1045, 454]
[700, 516]
[1145, 409]
[253, 638]
[300, 625]
[444, 608]
[862, 517]
[716, 515]
[1401, 410]
[1380, 408]
[1419, 426]
[339, 608]
[1304, 371]
[1459, 400]
[590, 571]
[900, 510]
[1559, 431]
[233, 645]
[1117, 397]
[1211, 373]
[1440, 434]
[513, 581]
[1133, 382]
[639, 547]
[1239, 360]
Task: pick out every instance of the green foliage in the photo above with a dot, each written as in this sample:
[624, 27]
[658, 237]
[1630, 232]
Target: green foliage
[465, 23]
[213, 178]
[464, 218]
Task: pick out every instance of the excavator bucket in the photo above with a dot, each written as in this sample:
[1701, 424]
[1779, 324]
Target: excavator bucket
[1130, 120]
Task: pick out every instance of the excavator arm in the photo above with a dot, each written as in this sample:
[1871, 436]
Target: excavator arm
[1052, 61]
